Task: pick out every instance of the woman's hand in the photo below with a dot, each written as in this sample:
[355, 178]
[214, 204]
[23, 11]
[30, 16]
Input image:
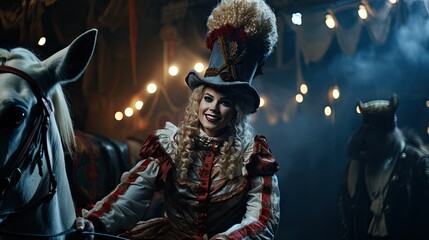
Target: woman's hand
[81, 224]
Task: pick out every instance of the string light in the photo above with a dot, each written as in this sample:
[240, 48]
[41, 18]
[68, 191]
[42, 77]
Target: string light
[173, 70]
[151, 88]
[199, 67]
[119, 116]
[138, 105]
[42, 41]
[129, 112]
[364, 11]
[328, 111]
[335, 93]
[261, 102]
[330, 21]
[297, 18]
[303, 88]
[299, 98]
[363, 14]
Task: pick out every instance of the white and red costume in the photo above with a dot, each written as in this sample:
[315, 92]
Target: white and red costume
[207, 205]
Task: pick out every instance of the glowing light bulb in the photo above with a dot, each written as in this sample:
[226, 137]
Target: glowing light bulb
[363, 14]
[335, 93]
[151, 88]
[199, 67]
[119, 116]
[138, 105]
[303, 88]
[261, 102]
[299, 98]
[330, 21]
[328, 111]
[42, 41]
[173, 70]
[128, 112]
[297, 18]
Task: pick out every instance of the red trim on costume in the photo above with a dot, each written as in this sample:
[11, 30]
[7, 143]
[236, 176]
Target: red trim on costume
[262, 161]
[257, 227]
[204, 187]
[120, 190]
[229, 32]
[152, 148]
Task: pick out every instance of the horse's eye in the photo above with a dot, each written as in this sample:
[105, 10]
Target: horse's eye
[15, 116]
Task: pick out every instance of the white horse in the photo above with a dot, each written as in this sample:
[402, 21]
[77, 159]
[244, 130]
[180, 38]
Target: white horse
[35, 125]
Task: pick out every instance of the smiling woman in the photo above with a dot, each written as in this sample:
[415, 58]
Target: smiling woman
[218, 178]
[216, 111]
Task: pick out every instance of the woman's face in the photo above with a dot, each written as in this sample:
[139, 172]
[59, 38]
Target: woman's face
[215, 112]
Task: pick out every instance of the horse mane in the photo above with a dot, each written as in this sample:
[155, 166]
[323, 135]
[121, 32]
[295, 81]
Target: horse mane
[63, 119]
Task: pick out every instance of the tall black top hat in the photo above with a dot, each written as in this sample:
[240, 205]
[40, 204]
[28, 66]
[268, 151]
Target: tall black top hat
[242, 34]
[380, 113]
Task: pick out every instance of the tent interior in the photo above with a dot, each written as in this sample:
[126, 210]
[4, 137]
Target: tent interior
[310, 86]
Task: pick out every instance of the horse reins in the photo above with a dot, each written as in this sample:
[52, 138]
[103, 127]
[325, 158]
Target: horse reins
[13, 170]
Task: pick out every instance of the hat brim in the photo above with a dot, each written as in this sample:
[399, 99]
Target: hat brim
[244, 90]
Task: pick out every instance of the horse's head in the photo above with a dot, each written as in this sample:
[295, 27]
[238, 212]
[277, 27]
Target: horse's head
[34, 120]
[378, 137]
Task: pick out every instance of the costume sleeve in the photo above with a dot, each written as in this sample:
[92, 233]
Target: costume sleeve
[127, 203]
[263, 202]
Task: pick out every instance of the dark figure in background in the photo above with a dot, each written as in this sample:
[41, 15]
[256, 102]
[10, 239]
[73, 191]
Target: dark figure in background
[385, 191]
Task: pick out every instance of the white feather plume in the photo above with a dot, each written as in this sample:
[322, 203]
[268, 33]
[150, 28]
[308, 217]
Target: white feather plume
[254, 16]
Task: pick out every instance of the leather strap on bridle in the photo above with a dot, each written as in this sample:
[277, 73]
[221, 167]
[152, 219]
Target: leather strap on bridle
[63, 233]
[31, 150]
[12, 172]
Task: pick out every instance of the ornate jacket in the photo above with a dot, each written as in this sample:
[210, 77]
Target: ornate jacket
[405, 207]
[207, 205]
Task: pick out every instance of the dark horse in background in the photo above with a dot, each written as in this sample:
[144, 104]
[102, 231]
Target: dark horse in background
[96, 166]
[385, 190]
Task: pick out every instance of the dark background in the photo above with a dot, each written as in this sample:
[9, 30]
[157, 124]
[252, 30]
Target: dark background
[309, 146]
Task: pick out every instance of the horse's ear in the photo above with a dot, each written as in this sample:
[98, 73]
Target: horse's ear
[69, 63]
[394, 102]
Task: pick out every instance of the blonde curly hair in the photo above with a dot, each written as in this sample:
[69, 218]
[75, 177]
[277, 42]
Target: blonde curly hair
[240, 134]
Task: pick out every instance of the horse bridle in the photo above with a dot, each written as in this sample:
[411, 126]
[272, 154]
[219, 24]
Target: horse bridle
[14, 169]
[32, 149]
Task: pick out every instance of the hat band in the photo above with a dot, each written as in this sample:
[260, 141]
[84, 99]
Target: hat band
[230, 64]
